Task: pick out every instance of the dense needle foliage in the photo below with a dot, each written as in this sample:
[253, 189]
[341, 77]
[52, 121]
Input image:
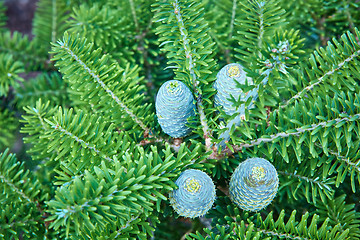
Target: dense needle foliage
[83, 156]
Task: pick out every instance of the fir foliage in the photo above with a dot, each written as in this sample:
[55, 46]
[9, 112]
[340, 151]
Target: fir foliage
[48, 86]
[22, 50]
[258, 21]
[184, 38]
[50, 22]
[35, 126]
[243, 225]
[9, 124]
[341, 213]
[21, 195]
[100, 24]
[3, 17]
[9, 73]
[221, 16]
[106, 85]
[97, 165]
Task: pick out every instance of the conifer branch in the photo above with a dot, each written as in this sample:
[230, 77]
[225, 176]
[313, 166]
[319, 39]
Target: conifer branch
[50, 21]
[128, 224]
[100, 169]
[232, 22]
[14, 175]
[46, 86]
[321, 79]
[240, 222]
[40, 94]
[6, 133]
[261, 23]
[186, 45]
[110, 191]
[345, 165]
[97, 79]
[13, 224]
[350, 20]
[133, 12]
[280, 235]
[42, 120]
[346, 160]
[17, 190]
[292, 132]
[261, 19]
[84, 144]
[54, 21]
[23, 55]
[307, 179]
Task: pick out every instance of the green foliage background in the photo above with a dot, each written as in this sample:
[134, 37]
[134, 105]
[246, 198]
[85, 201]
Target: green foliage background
[95, 163]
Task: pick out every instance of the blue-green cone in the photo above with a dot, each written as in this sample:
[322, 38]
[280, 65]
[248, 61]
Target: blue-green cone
[195, 195]
[226, 86]
[174, 105]
[254, 184]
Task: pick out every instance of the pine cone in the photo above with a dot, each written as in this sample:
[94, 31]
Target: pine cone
[226, 86]
[195, 195]
[254, 184]
[174, 105]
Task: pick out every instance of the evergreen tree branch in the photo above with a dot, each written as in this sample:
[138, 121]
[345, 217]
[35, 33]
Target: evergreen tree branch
[79, 140]
[36, 127]
[3, 17]
[50, 22]
[302, 181]
[7, 119]
[345, 160]
[128, 224]
[133, 12]
[112, 193]
[260, 19]
[339, 212]
[292, 132]
[290, 228]
[307, 179]
[107, 90]
[21, 195]
[325, 64]
[137, 227]
[47, 86]
[233, 15]
[118, 86]
[20, 221]
[15, 178]
[82, 137]
[322, 78]
[22, 50]
[9, 73]
[344, 163]
[101, 25]
[186, 41]
[17, 190]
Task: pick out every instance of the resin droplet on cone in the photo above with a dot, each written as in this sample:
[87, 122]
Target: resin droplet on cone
[195, 195]
[254, 184]
[174, 105]
[225, 85]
